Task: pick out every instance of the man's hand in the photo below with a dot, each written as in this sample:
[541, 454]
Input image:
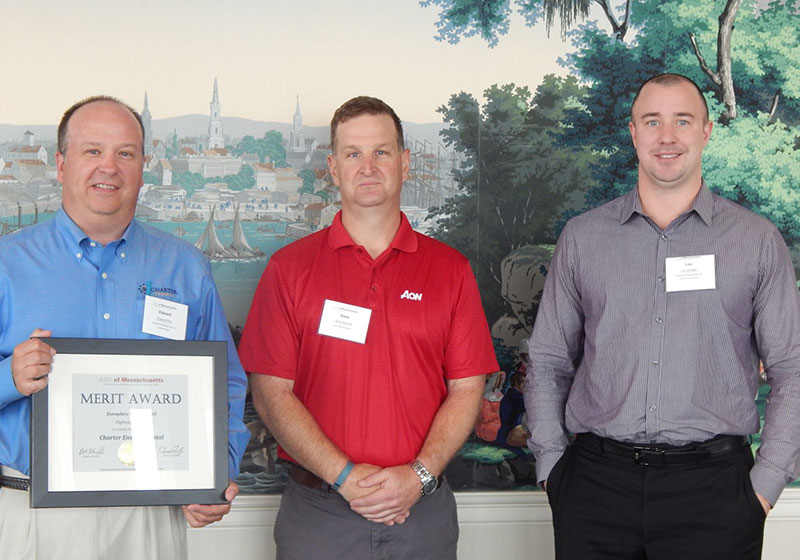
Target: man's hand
[764, 503]
[31, 362]
[198, 515]
[399, 490]
[352, 489]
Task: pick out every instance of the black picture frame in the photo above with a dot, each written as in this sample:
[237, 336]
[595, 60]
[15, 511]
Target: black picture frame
[203, 364]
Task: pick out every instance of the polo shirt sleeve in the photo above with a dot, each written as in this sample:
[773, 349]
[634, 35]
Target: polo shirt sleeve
[270, 341]
[469, 350]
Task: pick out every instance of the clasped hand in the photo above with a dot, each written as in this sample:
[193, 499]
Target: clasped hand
[382, 495]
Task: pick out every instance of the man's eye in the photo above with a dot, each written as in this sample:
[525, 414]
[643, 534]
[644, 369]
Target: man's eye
[652, 123]
[353, 154]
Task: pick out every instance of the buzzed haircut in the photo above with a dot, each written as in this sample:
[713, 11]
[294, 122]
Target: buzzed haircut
[670, 79]
[64, 124]
[364, 105]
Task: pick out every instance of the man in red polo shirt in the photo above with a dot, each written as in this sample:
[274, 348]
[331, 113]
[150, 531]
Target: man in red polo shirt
[372, 347]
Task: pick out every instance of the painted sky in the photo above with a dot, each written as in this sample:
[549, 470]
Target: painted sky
[263, 53]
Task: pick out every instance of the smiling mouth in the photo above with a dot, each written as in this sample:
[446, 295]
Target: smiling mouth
[667, 156]
[105, 186]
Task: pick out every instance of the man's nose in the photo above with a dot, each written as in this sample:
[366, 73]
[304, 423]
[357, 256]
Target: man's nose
[108, 163]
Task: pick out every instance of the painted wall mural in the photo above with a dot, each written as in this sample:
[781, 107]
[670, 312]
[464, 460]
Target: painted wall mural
[515, 113]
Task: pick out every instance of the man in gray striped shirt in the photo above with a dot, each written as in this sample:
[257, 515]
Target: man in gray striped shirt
[657, 310]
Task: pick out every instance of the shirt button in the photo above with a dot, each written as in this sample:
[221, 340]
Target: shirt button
[663, 237]
[122, 254]
[374, 287]
[660, 278]
[106, 316]
[92, 244]
[78, 255]
[104, 275]
[659, 320]
[655, 362]
[652, 408]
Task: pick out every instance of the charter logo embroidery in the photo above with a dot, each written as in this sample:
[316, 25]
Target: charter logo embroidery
[413, 296]
[147, 288]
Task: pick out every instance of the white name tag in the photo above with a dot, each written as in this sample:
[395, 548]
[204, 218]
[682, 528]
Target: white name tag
[691, 273]
[165, 318]
[341, 320]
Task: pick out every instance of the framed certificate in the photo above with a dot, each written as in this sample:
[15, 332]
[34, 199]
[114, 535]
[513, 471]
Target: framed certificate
[131, 423]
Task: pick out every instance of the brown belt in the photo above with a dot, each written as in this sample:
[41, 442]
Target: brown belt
[305, 477]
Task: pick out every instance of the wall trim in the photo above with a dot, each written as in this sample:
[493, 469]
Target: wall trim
[474, 508]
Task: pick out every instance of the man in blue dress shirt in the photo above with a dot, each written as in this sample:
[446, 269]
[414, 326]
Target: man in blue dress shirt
[85, 274]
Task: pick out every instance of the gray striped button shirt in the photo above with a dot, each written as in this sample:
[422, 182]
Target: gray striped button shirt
[614, 353]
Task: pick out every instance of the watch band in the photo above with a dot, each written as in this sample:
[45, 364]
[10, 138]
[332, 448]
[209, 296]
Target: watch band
[429, 482]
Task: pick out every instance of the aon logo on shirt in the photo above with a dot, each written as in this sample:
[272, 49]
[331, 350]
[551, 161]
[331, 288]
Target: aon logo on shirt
[411, 295]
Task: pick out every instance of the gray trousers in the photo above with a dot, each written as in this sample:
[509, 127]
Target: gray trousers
[104, 533]
[319, 525]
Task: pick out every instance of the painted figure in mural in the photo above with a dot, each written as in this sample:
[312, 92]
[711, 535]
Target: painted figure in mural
[657, 309]
[373, 346]
[81, 275]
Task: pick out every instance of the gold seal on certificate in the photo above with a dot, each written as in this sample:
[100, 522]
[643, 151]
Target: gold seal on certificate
[125, 453]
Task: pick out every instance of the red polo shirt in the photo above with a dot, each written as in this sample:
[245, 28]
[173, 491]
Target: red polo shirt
[376, 400]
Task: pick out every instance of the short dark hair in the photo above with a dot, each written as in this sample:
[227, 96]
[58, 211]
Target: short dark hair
[364, 105]
[671, 79]
[64, 124]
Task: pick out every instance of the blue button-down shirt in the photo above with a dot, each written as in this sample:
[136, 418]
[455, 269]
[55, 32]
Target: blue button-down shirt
[52, 276]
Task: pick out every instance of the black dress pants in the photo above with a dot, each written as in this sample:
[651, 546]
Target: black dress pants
[605, 506]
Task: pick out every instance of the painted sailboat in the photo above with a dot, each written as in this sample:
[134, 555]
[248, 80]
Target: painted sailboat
[239, 249]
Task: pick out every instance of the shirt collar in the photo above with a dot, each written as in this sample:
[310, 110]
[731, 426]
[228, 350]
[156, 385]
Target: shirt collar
[703, 205]
[74, 235]
[404, 240]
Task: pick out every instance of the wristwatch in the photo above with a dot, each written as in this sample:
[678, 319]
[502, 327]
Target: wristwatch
[429, 482]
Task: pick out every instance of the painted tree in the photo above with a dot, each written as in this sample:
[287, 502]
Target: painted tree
[309, 178]
[489, 18]
[515, 178]
[271, 145]
[755, 80]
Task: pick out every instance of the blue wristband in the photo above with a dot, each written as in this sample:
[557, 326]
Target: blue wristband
[342, 476]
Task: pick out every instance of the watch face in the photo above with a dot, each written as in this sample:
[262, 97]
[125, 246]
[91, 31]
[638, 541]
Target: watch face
[429, 486]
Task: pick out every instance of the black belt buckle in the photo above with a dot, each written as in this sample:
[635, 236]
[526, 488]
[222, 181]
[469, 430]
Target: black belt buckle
[643, 455]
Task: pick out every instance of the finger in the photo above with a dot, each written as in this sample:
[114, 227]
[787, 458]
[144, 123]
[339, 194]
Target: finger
[199, 515]
[371, 501]
[374, 479]
[191, 519]
[384, 517]
[231, 491]
[41, 333]
[399, 520]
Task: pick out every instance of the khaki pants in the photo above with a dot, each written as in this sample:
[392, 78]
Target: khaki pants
[105, 533]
